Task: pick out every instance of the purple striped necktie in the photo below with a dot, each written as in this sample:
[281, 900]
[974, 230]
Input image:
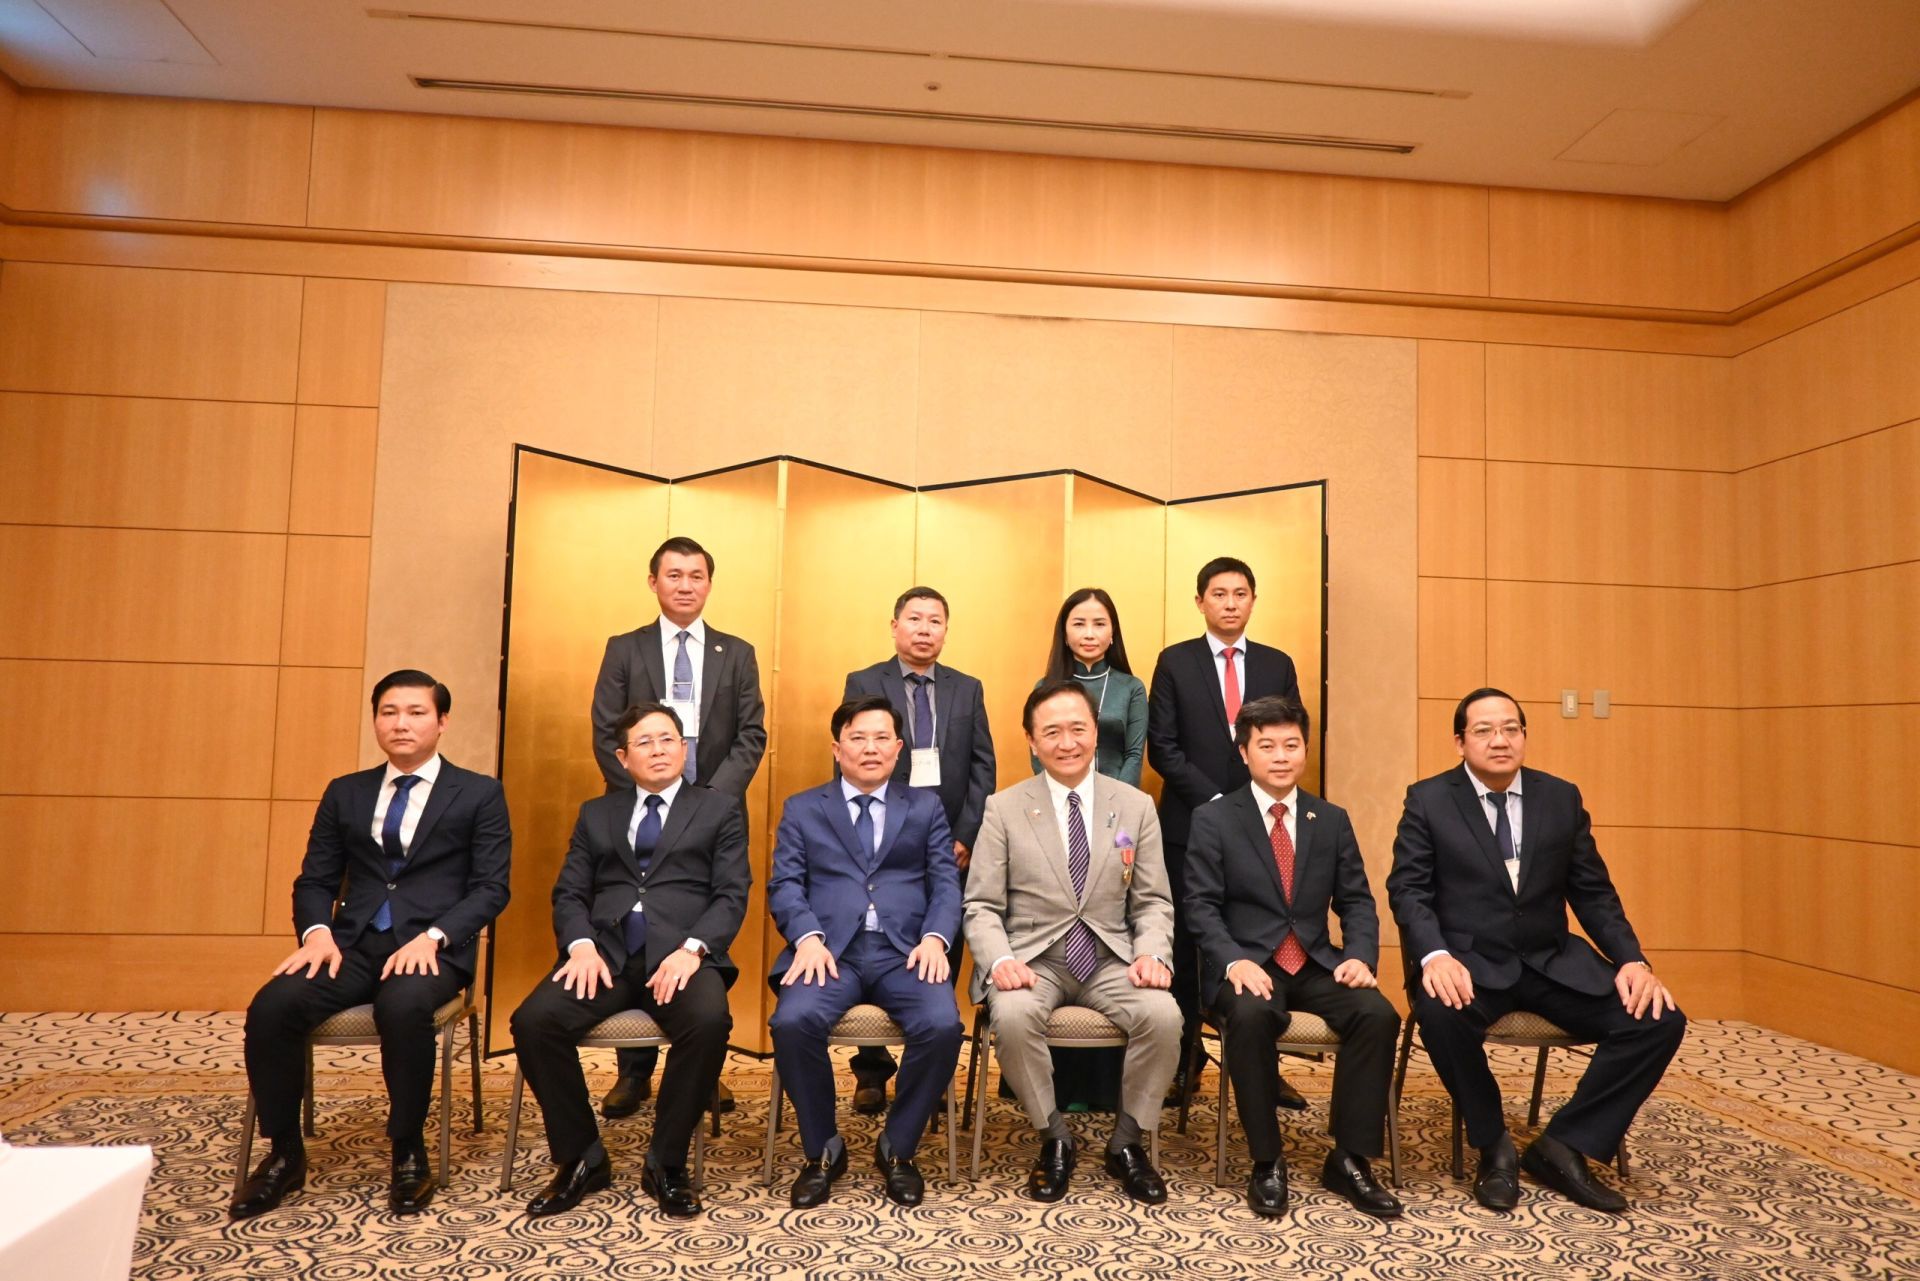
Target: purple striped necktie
[1083, 953]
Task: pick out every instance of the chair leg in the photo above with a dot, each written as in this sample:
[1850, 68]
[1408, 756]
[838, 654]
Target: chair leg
[473, 1057]
[973, 1059]
[246, 1144]
[1459, 1141]
[982, 1060]
[1190, 1069]
[1153, 1146]
[775, 1106]
[1539, 1087]
[699, 1159]
[1620, 1157]
[306, 1102]
[713, 1108]
[446, 1101]
[1220, 1130]
[512, 1153]
[1393, 1140]
[953, 1136]
[1406, 1053]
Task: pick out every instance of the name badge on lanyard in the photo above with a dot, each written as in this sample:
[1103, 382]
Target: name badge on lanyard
[923, 769]
[686, 706]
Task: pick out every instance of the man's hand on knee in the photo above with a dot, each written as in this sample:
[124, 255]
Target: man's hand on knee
[316, 950]
[421, 955]
[1446, 980]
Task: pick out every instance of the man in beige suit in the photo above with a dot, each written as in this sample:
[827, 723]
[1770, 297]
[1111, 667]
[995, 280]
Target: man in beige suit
[1067, 904]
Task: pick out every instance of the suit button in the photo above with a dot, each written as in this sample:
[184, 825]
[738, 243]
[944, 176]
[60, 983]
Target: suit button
[392, 886]
[869, 887]
[643, 891]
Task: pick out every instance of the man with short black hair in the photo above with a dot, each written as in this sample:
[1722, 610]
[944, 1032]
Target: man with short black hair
[1198, 688]
[1265, 864]
[948, 750]
[417, 852]
[865, 888]
[652, 892]
[712, 682]
[1489, 859]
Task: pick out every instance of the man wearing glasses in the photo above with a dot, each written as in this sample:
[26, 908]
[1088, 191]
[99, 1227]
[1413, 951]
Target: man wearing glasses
[1488, 861]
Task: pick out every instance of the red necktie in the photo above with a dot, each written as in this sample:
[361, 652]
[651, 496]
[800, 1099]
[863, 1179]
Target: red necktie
[1233, 690]
[1289, 956]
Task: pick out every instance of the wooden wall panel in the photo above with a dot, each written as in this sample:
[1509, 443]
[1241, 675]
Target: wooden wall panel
[134, 332]
[1645, 766]
[9, 116]
[117, 971]
[1435, 734]
[175, 729]
[1618, 408]
[1610, 525]
[1840, 199]
[100, 865]
[1453, 636]
[1453, 509]
[131, 157]
[1682, 887]
[140, 595]
[158, 464]
[1846, 375]
[342, 323]
[1841, 638]
[1453, 399]
[746, 380]
[1005, 395]
[1843, 906]
[325, 620]
[1847, 506]
[1619, 250]
[333, 453]
[1865, 792]
[288, 823]
[316, 729]
[1869, 1019]
[1645, 645]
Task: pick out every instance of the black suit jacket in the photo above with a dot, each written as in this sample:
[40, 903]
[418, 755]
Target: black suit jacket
[959, 730]
[1189, 741]
[733, 731]
[695, 885]
[455, 875]
[1449, 889]
[1235, 906]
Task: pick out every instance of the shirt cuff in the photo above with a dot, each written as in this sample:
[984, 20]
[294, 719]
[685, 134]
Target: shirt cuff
[810, 934]
[1428, 958]
[696, 947]
[577, 943]
[311, 928]
[933, 934]
[997, 964]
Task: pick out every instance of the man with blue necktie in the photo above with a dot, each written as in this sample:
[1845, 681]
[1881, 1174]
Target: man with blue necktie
[406, 864]
[864, 884]
[711, 680]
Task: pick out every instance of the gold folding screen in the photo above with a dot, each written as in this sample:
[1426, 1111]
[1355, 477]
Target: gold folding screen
[808, 561]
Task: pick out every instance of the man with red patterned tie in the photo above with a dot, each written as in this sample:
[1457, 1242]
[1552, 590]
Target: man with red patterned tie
[1265, 864]
[1198, 687]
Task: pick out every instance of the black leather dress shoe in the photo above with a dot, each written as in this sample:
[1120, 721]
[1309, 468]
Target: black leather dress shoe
[268, 1185]
[815, 1179]
[1289, 1098]
[671, 1188]
[1136, 1174]
[1566, 1172]
[628, 1093]
[870, 1095]
[1267, 1189]
[904, 1184]
[1496, 1184]
[1352, 1178]
[1047, 1181]
[411, 1186]
[569, 1184]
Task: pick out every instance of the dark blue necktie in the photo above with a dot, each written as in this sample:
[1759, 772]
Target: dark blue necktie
[922, 710]
[1503, 827]
[390, 842]
[645, 837]
[684, 692]
[863, 824]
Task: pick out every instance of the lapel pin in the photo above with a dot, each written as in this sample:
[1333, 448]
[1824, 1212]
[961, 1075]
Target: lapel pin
[1033, 813]
[1124, 843]
[1311, 816]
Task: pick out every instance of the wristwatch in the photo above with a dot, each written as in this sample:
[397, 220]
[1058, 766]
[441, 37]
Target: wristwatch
[694, 946]
[438, 935]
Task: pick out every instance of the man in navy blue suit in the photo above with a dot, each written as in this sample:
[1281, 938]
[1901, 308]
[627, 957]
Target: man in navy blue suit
[864, 884]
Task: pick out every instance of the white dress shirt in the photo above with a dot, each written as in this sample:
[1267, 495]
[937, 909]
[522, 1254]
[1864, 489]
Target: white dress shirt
[1265, 801]
[409, 821]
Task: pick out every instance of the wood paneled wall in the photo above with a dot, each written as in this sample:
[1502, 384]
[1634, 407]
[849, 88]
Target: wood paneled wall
[1708, 519]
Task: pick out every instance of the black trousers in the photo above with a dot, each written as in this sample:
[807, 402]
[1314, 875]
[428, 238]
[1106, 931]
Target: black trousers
[548, 1028]
[1186, 973]
[1368, 1028]
[1629, 1058]
[290, 1006]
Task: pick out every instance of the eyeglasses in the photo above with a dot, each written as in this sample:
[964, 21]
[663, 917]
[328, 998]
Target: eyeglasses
[863, 741]
[1510, 729]
[648, 743]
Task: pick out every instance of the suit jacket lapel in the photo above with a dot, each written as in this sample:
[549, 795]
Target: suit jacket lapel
[1255, 827]
[944, 700]
[617, 818]
[1037, 802]
[895, 819]
[366, 799]
[841, 821]
[648, 639]
[713, 672]
[679, 814]
[1210, 677]
[1474, 811]
[1304, 846]
[445, 788]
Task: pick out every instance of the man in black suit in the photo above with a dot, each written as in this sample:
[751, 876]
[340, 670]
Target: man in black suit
[712, 682]
[422, 848]
[1265, 862]
[949, 749]
[652, 892]
[1198, 688]
[1487, 862]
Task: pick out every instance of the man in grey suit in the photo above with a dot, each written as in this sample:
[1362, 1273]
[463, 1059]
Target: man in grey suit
[949, 751]
[1067, 904]
[712, 682]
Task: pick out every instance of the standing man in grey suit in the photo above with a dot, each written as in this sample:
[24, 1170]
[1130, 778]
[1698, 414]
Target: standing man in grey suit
[949, 750]
[712, 682]
[1067, 905]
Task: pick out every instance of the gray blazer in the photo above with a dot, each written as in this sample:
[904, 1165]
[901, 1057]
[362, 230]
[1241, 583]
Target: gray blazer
[1020, 899]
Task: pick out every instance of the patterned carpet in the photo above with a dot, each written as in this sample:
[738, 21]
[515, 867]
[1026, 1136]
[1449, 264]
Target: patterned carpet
[1762, 1157]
